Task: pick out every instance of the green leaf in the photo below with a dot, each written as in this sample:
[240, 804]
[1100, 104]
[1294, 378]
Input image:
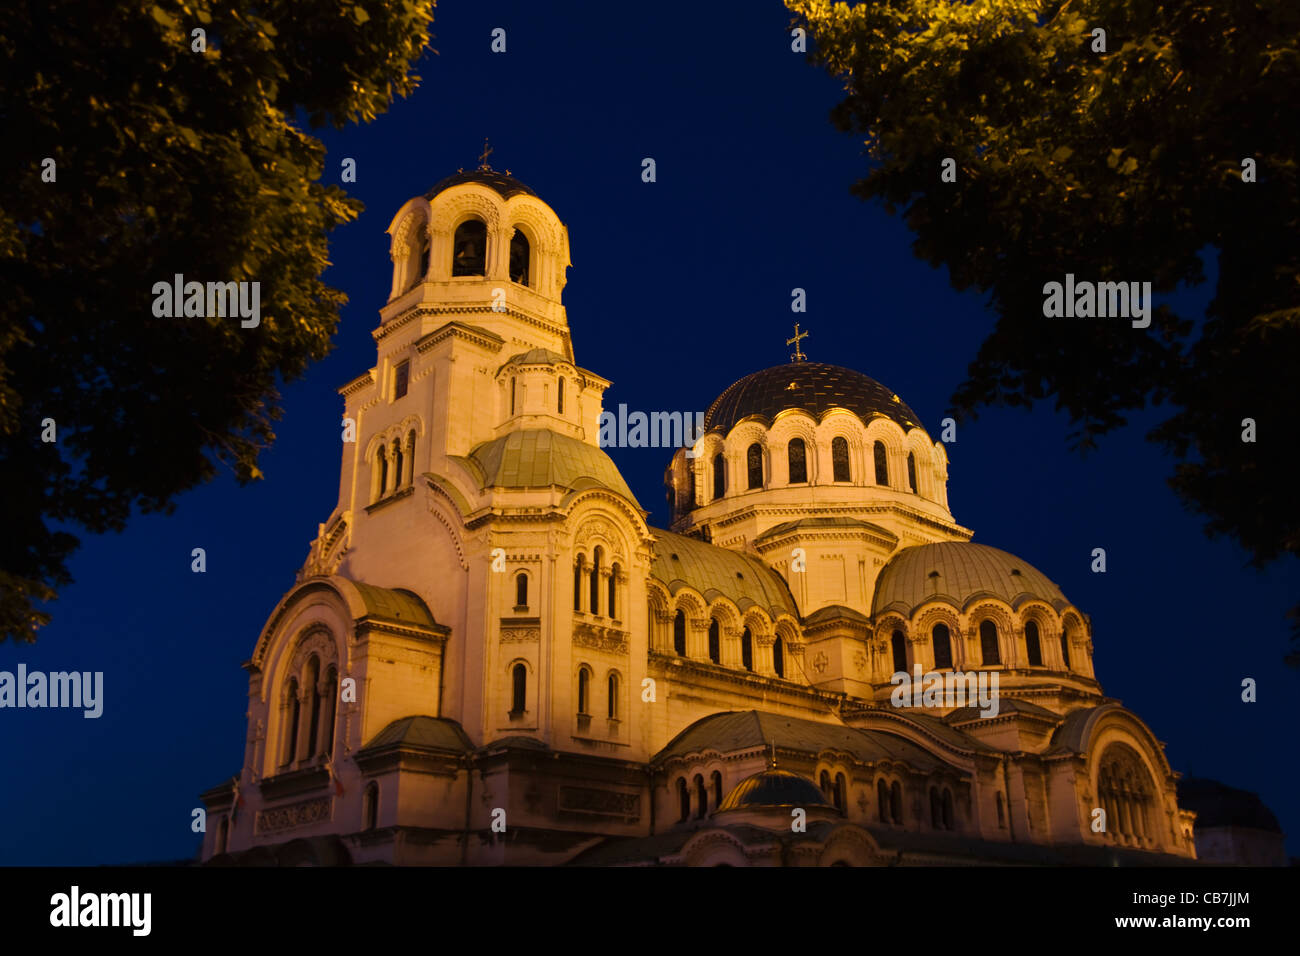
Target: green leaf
[359, 14]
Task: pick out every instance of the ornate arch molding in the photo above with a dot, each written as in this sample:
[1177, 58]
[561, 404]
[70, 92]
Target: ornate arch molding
[575, 501]
[1111, 723]
[986, 609]
[851, 840]
[709, 847]
[727, 613]
[760, 624]
[601, 528]
[397, 432]
[314, 639]
[689, 601]
[744, 434]
[842, 423]
[439, 501]
[412, 212]
[930, 614]
[336, 593]
[466, 201]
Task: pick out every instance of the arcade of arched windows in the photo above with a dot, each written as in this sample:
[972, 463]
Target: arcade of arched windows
[1128, 796]
[986, 635]
[391, 457]
[309, 704]
[685, 625]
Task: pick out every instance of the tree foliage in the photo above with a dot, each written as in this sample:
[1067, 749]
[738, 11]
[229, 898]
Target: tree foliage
[1118, 165]
[167, 160]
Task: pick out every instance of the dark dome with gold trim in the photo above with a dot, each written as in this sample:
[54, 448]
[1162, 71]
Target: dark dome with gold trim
[814, 387]
[774, 788]
[507, 186]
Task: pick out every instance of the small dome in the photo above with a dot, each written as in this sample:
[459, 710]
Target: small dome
[774, 788]
[812, 386]
[957, 571]
[507, 186]
[540, 458]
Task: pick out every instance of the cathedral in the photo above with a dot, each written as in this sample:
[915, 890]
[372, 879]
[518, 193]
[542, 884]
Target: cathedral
[489, 657]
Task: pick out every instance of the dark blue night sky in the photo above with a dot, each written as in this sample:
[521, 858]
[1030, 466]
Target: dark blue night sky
[677, 289]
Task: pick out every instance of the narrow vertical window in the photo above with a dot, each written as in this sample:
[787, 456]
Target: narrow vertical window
[370, 807]
[422, 266]
[715, 642]
[401, 380]
[701, 798]
[911, 471]
[1033, 646]
[295, 710]
[754, 465]
[898, 645]
[313, 687]
[613, 590]
[840, 459]
[612, 688]
[882, 464]
[989, 642]
[595, 579]
[584, 690]
[512, 395]
[679, 634]
[683, 800]
[521, 590]
[824, 781]
[717, 788]
[778, 657]
[398, 472]
[577, 584]
[841, 793]
[410, 457]
[383, 471]
[747, 650]
[882, 801]
[519, 697]
[942, 647]
[519, 255]
[896, 802]
[329, 700]
[798, 455]
[1065, 649]
[719, 476]
[560, 397]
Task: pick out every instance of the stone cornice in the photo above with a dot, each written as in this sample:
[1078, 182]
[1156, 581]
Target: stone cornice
[362, 381]
[293, 783]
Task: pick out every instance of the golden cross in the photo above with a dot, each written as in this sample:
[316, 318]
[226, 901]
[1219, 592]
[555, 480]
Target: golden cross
[798, 355]
[487, 151]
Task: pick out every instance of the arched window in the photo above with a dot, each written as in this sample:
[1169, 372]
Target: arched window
[559, 392]
[577, 583]
[512, 395]
[715, 642]
[1033, 646]
[942, 647]
[382, 463]
[683, 800]
[521, 590]
[312, 680]
[679, 634]
[401, 380]
[595, 579]
[719, 476]
[896, 802]
[716, 778]
[1065, 648]
[754, 465]
[882, 464]
[370, 806]
[898, 644]
[798, 455]
[223, 834]
[469, 249]
[519, 697]
[989, 643]
[611, 685]
[841, 792]
[410, 457]
[947, 809]
[701, 798]
[584, 690]
[882, 801]
[612, 610]
[840, 459]
[1002, 815]
[747, 650]
[825, 783]
[519, 258]
[398, 472]
[936, 809]
[329, 700]
[911, 471]
[294, 706]
[778, 657]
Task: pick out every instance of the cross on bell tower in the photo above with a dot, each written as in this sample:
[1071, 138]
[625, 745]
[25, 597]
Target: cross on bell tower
[483, 156]
[798, 355]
